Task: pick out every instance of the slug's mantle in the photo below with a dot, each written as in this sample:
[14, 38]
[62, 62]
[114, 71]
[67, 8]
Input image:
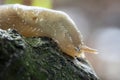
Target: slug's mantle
[35, 21]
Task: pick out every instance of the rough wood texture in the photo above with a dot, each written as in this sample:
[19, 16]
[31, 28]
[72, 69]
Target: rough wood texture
[38, 59]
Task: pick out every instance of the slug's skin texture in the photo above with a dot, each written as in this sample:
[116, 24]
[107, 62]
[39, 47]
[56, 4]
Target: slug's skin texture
[36, 21]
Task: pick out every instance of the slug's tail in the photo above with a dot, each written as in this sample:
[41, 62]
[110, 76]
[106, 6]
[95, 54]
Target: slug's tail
[89, 50]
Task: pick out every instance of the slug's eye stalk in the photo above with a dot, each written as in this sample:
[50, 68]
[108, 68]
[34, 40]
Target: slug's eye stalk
[86, 49]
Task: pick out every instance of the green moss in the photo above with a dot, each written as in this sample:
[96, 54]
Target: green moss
[38, 59]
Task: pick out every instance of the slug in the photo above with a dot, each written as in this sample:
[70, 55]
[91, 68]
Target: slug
[36, 21]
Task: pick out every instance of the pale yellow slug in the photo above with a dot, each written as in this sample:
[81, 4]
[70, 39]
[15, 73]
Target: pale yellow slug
[35, 21]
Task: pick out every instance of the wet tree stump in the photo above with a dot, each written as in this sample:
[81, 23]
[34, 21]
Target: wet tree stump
[38, 58]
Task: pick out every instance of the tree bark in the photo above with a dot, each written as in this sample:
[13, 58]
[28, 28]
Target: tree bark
[38, 58]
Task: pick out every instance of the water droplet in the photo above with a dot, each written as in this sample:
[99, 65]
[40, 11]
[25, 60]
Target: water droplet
[31, 28]
[13, 25]
[34, 29]
[55, 33]
[41, 19]
[38, 29]
[8, 19]
[36, 20]
[36, 33]
[23, 21]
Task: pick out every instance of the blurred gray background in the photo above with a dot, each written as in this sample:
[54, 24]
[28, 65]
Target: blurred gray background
[99, 23]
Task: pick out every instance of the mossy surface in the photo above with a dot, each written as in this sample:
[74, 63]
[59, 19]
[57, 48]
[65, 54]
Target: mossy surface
[38, 59]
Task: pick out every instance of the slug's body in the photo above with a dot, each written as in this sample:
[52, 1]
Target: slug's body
[35, 21]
